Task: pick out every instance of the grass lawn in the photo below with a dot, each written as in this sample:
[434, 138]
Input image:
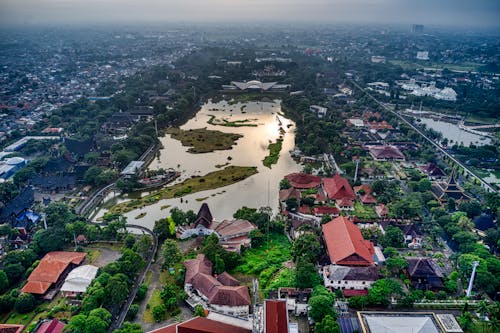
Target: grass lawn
[364, 211]
[274, 153]
[153, 301]
[55, 308]
[263, 262]
[220, 178]
[202, 140]
[284, 278]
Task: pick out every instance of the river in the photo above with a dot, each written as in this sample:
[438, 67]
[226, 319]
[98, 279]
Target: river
[454, 134]
[256, 191]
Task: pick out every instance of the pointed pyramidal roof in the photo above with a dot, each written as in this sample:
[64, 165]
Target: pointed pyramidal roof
[204, 216]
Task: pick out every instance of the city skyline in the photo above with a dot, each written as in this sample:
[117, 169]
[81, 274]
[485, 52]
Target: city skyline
[482, 13]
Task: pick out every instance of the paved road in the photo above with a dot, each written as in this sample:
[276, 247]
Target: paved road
[118, 321]
[485, 184]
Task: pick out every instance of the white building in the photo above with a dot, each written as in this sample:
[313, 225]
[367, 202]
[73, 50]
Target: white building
[78, 280]
[423, 55]
[320, 111]
[349, 277]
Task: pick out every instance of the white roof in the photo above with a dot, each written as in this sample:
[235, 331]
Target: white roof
[79, 279]
[387, 323]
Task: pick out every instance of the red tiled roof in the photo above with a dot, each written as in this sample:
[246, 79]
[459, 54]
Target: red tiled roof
[49, 270]
[323, 210]
[366, 198]
[276, 316]
[381, 210]
[303, 180]
[338, 188]
[353, 292]
[345, 203]
[201, 325]
[11, 328]
[345, 244]
[53, 326]
[305, 209]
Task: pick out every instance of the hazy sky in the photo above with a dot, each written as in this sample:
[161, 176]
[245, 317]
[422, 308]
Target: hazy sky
[484, 13]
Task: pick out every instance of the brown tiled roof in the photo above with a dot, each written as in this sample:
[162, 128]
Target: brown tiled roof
[198, 274]
[289, 193]
[195, 266]
[386, 152]
[423, 267]
[201, 325]
[276, 316]
[303, 180]
[322, 210]
[227, 279]
[227, 228]
[338, 187]
[49, 270]
[345, 244]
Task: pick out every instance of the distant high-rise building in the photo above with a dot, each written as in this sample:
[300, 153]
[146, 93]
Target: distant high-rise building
[417, 28]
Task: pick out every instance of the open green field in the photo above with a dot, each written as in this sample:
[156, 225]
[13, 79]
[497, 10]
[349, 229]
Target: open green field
[202, 140]
[263, 262]
[274, 153]
[227, 176]
[155, 300]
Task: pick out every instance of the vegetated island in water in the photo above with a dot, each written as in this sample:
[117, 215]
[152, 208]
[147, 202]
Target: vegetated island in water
[202, 140]
[227, 176]
[274, 153]
[236, 123]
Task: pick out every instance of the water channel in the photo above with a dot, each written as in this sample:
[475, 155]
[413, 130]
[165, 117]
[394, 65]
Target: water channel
[256, 191]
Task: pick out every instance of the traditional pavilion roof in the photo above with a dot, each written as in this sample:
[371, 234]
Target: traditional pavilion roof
[449, 189]
[204, 216]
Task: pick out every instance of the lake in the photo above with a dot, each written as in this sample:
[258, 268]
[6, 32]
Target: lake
[256, 191]
[453, 132]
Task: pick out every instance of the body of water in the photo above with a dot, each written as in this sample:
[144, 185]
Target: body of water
[256, 191]
[455, 134]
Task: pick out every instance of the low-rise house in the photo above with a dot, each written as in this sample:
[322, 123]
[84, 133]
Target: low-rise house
[303, 181]
[345, 243]
[51, 326]
[386, 153]
[232, 234]
[50, 273]
[413, 238]
[349, 278]
[296, 299]
[381, 210]
[434, 172]
[424, 273]
[319, 111]
[276, 317]
[338, 188]
[221, 294]
[11, 328]
[444, 190]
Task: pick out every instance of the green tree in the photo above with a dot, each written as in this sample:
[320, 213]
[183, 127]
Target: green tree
[199, 311]
[159, 312]
[219, 266]
[381, 290]
[116, 291]
[321, 304]
[25, 303]
[132, 311]
[393, 237]
[285, 184]
[396, 265]
[307, 277]
[171, 253]
[4, 281]
[14, 272]
[257, 238]
[129, 328]
[327, 325]
[46, 241]
[306, 246]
